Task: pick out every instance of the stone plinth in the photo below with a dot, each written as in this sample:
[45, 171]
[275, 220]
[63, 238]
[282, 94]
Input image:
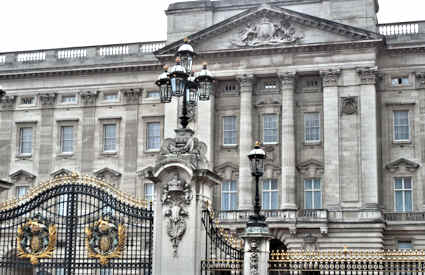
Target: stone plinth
[257, 250]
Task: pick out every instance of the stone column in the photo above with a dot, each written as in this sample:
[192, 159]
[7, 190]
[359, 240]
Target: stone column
[246, 142]
[369, 137]
[46, 135]
[288, 141]
[6, 126]
[331, 188]
[205, 126]
[256, 253]
[130, 139]
[88, 99]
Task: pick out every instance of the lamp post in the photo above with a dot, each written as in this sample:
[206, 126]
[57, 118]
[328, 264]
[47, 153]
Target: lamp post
[181, 81]
[256, 158]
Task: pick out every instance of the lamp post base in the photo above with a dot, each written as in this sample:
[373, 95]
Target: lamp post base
[257, 223]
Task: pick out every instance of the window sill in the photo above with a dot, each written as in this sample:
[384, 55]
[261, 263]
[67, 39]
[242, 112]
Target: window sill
[312, 143]
[148, 151]
[270, 143]
[109, 154]
[24, 156]
[224, 147]
[402, 142]
[65, 155]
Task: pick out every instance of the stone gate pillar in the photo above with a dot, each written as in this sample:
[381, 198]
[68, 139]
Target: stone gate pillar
[184, 186]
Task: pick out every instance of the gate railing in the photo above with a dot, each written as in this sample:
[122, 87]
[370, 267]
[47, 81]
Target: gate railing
[223, 252]
[349, 261]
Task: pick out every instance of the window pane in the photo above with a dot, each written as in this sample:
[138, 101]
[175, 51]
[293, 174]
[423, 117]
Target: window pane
[308, 200]
[307, 184]
[316, 184]
[109, 142]
[232, 186]
[26, 140]
[398, 183]
[229, 130]
[21, 191]
[233, 202]
[399, 201]
[312, 127]
[270, 128]
[317, 199]
[408, 201]
[274, 184]
[407, 183]
[401, 125]
[274, 200]
[405, 245]
[266, 200]
[154, 135]
[149, 191]
[67, 139]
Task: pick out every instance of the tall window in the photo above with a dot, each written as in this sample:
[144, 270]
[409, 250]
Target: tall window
[149, 192]
[21, 191]
[25, 140]
[403, 194]
[311, 127]
[401, 125]
[270, 131]
[109, 137]
[312, 194]
[270, 194]
[229, 130]
[154, 136]
[228, 195]
[67, 139]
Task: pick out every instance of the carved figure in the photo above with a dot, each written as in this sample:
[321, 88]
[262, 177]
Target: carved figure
[176, 196]
[253, 259]
[193, 147]
[267, 33]
[36, 239]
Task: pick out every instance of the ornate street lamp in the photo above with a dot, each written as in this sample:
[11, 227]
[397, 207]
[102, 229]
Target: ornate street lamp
[256, 158]
[181, 81]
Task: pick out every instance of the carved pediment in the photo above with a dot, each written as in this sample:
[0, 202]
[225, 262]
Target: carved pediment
[61, 172]
[311, 168]
[269, 26]
[22, 174]
[107, 174]
[409, 165]
[227, 169]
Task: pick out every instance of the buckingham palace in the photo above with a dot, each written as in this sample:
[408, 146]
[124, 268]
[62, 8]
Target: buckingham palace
[336, 100]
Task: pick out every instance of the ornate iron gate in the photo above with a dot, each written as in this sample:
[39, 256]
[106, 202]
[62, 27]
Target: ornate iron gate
[75, 225]
[223, 253]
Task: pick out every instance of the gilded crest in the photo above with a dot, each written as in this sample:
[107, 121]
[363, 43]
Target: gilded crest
[105, 239]
[36, 239]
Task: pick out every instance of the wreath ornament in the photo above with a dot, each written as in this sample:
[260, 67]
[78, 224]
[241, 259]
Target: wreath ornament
[36, 239]
[105, 239]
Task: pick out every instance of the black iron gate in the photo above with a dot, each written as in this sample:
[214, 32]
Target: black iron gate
[75, 225]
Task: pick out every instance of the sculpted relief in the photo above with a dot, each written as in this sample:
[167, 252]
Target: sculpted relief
[267, 33]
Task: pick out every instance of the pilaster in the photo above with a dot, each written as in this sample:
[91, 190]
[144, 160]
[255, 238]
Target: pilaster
[246, 141]
[288, 141]
[369, 137]
[331, 144]
[6, 126]
[88, 99]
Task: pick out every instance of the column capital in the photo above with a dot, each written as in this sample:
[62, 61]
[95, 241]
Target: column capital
[246, 82]
[287, 79]
[420, 79]
[8, 101]
[88, 97]
[132, 95]
[330, 77]
[367, 75]
[47, 99]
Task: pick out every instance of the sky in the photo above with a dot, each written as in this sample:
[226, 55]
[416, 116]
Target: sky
[44, 24]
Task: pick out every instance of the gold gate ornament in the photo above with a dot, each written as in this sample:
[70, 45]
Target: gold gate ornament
[36, 239]
[105, 239]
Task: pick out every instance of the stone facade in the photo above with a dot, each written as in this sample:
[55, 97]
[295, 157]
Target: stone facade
[282, 58]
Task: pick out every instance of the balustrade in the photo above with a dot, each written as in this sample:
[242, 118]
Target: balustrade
[274, 215]
[405, 216]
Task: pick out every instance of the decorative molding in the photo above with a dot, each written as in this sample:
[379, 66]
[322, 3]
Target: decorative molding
[368, 75]
[176, 197]
[330, 77]
[132, 95]
[246, 82]
[8, 101]
[47, 99]
[22, 173]
[89, 97]
[311, 168]
[409, 165]
[267, 33]
[61, 172]
[253, 258]
[268, 101]
[310, 242]
[287, 80]
[102, 172]
[349, 105]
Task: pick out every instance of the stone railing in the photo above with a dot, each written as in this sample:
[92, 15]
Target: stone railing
[405, 216]
[403, 31]
[78, 54]
[318, 215]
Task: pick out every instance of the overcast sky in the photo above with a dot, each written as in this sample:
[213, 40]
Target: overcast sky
[38, 24]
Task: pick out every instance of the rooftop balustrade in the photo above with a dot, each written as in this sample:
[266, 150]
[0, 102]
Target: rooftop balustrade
[403, 31]
[405, 216]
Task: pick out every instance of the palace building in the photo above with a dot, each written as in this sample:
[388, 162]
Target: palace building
[337, 100]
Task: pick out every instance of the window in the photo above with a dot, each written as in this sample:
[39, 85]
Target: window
[270, 133]
[270, 84]
[312, 194]
[403, 194]
[149, 192]
[110, 97]
[62, 206]
[109, 137]
[230, 87]
[228, 195]
[25, 140]
[229, 130]
[69, 99]
[153, 136]
[404, 245]
[153, 94]
[401, 125]
[270, 194]
[311, 127]
[21, 191]
[399, 81]
[28, 100]
[67, 139]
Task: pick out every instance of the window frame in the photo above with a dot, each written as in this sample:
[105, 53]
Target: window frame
[229, 193]
[277, 128]
[148, 185]
[149, 149]
[235, 130]
[408, 125]
[21, 141]
[403, 190]
[269, 193]
[104, 126]
[313, 190]
[316, 141]
[62, 139]
[19, 187]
